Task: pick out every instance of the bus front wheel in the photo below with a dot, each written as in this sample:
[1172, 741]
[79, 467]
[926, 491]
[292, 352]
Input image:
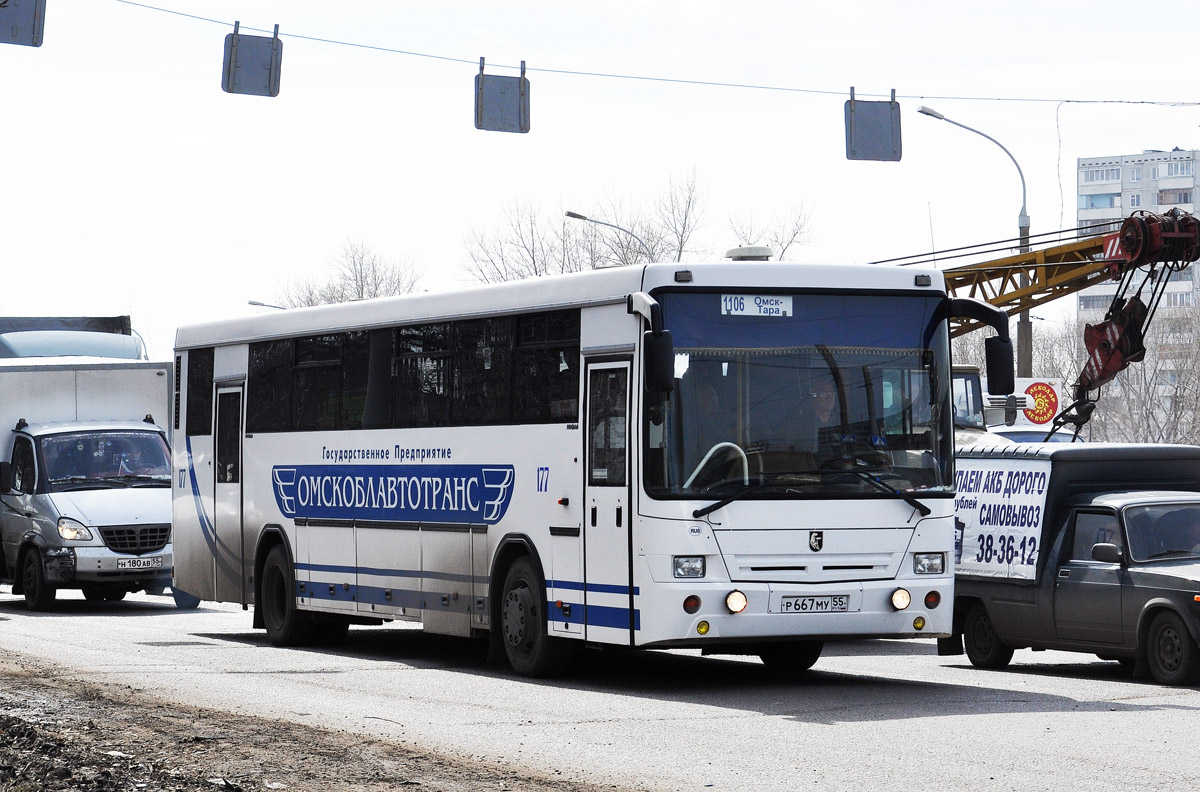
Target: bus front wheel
[286, 625]
[531, 651]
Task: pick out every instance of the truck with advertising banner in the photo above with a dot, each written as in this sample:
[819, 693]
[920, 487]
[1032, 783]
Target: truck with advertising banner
[85, 476]
[1080, 547]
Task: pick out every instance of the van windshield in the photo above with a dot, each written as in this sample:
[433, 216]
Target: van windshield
[802, 400]
[86, 460]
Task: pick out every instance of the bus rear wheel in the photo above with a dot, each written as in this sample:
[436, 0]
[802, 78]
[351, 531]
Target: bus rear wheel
[286, 625]
[531, 651]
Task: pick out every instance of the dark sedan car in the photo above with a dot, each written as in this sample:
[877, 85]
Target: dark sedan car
[1123, 582]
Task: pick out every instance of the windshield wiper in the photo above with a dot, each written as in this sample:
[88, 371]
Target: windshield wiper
[907, 497]
[137, 478]
[731, 497]
[1165, 553]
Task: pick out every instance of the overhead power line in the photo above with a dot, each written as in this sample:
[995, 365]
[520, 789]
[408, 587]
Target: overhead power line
[648, 78]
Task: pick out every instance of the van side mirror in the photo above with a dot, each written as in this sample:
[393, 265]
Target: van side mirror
[1106, 553]
[658, 352]
[5, 477]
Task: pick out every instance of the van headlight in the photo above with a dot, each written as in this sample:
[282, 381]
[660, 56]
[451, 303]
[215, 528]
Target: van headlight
[929, 563]
[689, 566]
[73, 530]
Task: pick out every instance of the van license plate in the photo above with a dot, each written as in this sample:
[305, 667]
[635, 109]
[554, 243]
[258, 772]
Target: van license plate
[154, 562]
[832, 603]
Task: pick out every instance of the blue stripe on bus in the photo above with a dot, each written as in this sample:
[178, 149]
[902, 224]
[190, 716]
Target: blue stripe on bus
[340, 569]
[591, 615]
[596, 616]
[598, 588]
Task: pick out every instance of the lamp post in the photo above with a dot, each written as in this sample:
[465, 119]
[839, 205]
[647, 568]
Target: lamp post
[1024, 324]
[645, 247]
[265, 305]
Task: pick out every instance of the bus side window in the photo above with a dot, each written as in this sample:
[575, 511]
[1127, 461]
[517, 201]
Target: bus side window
[607, 427]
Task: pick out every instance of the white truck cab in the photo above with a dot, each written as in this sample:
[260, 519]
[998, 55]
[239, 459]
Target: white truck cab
[86, 505]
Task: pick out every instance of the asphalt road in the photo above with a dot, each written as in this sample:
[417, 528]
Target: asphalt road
[879, 715]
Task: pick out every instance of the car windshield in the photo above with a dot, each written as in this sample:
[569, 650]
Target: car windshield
[80, 460]
[791, 395]
[1164, 530]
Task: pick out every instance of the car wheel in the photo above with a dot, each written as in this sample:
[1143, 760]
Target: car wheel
[39, 595]
[286, 626]
[791, 657]
[1171, 652]
[93, 593]
[984, 647]
[531, 651]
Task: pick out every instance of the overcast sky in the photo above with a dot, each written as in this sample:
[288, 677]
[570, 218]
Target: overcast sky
[132, 183]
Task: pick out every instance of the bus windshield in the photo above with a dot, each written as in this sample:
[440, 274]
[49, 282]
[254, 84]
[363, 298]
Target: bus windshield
[802, 395]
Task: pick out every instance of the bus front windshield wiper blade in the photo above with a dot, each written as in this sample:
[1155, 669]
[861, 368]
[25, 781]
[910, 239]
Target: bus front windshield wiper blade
[731, 497]
[880, 484]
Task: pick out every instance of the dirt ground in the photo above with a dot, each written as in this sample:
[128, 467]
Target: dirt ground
[57, 733]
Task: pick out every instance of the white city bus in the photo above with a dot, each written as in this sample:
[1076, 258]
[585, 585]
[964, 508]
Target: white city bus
[623, 457]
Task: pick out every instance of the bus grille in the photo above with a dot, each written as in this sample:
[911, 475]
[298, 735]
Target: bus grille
[136, 538]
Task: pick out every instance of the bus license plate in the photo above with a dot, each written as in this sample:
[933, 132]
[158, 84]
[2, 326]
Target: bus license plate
[154, 562]
[832, 603]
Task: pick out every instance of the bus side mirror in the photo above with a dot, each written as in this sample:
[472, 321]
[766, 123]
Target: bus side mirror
[5, 477]
[999, 353]
[658, 352]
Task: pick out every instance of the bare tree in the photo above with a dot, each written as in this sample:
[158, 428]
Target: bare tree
[679, 212]
[530, 244]
[785, 230]
[359, 274]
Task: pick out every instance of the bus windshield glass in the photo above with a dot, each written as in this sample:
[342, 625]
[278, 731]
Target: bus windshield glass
[802, 395]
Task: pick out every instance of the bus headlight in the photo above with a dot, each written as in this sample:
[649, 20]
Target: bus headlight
[901, 599]
[73, 530]
[689, 566]
[929, 563]
[736, 601]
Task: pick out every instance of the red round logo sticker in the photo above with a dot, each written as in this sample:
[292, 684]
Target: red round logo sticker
[1045, 403]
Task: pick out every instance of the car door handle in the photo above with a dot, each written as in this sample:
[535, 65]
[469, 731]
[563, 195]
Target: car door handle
[1064, 573]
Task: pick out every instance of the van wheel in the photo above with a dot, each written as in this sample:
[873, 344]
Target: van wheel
[531, 651]
[1170, 651]
[790, 657]
[983, 645]
[286, 626]
[93, 593]
[39, 595]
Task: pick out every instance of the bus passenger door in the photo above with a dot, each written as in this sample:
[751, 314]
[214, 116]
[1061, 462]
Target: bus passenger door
[227, 497]
[608, 598]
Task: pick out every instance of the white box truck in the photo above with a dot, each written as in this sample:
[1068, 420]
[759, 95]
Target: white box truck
[85, 476]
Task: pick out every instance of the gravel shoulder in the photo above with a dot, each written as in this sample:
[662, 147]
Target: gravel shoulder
[61, 733]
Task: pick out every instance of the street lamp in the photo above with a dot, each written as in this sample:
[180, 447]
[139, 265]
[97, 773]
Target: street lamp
[645, 247]
[1024, 325]
[266, 305]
